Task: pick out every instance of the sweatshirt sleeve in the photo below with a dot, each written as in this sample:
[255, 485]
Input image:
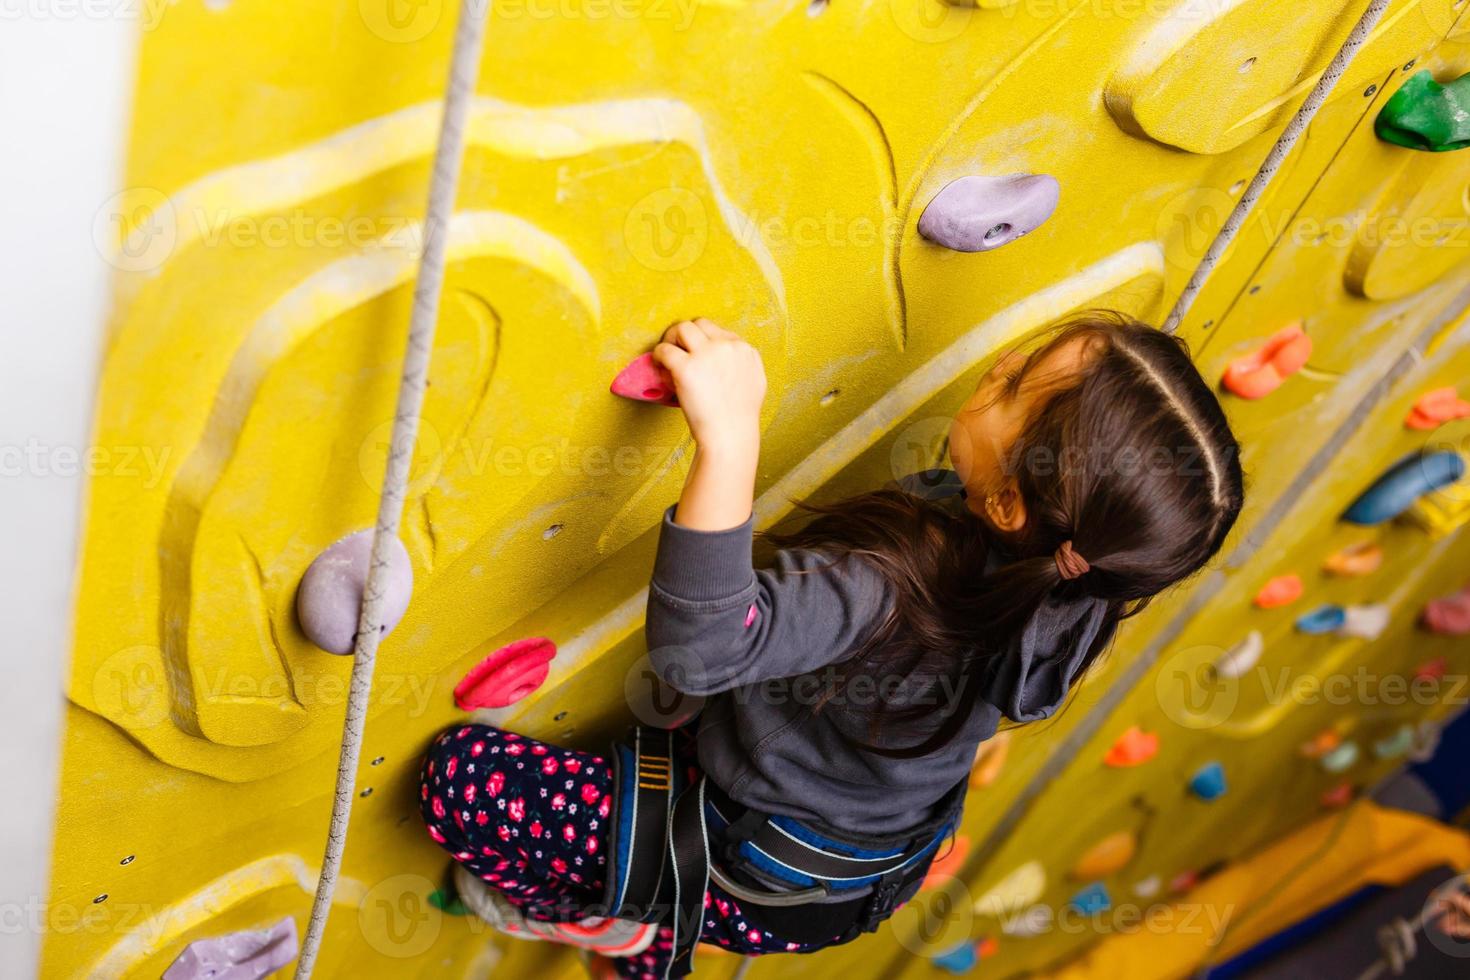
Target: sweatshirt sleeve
[715, 622]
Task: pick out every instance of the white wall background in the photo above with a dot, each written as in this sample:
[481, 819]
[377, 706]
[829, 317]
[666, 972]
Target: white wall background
[65, 80]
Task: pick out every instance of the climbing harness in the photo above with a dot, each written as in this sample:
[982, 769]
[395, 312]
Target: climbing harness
[800, 880]
[1289, 137]
[469, 39]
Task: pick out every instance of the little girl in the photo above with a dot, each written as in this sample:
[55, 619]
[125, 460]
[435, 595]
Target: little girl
[849, 685]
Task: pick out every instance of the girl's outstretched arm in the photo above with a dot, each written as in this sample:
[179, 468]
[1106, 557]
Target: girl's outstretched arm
[721, 385]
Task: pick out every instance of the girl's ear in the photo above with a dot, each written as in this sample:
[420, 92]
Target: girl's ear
[1004, 509]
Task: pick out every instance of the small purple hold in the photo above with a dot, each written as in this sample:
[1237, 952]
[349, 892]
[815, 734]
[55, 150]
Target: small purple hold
[237, 956]
[978, 214]
[329, 598]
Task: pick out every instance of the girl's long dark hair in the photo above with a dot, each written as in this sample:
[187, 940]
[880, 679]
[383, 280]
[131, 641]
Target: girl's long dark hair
[1133, 462]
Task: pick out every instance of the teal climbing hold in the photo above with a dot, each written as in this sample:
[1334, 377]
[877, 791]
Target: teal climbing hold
[960, 959]
[1209, 783]
[1342, 758]
[1395, 745]
[1425, 115]
[1323, 619]
[1405, 482]
[1092, 900]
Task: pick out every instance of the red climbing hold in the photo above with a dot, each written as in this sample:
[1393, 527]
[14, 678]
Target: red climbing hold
[1432, 670]
[1338, 796]
[644, 381]
[1133, 748]
[1282, 590]
[1449, 614]
[1435, 408]
[507, 675]
[1258, 374]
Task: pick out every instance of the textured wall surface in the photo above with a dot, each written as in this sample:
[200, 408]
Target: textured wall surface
[763, 163]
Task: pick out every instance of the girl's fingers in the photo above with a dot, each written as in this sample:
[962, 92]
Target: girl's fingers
[670, 356]
[713, 329]
[687, 335]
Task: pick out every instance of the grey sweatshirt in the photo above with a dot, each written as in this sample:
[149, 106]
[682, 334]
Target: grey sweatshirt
[717, 626]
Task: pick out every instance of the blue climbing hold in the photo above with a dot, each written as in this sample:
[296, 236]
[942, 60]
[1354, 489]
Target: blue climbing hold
[1209, 783]
[1405, 482]
[961, 959]
[1323, 619]
[1092, 900]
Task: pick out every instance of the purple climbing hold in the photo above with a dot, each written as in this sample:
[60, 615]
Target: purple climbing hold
[237, 956]
[977, 214]
[329, 598]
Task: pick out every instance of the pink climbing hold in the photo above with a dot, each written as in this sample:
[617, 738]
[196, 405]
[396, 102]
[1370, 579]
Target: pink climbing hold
[238, 955]
[1449, 614]
[1432, 670]
[645, 381]
[1434, 408]
[507, 675]
[980, 213]
[1258, 374]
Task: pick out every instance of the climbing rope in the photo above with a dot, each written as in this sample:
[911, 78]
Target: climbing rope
[1274, 159]
[1398, 940]
[463, 69]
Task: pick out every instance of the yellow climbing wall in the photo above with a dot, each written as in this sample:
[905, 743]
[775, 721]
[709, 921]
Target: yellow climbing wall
[764, 163]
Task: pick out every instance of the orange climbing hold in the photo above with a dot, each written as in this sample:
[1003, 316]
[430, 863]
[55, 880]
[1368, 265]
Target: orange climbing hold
[644, 381]
[1261, 372]
[1282, 590]
[1362, 558]
[507, 675]
[1258, 374]
[990, 759]
[988, 946]
[1322, 743]
[949, 862]
[1133, 748]
[1112, 853]
[1435, 408]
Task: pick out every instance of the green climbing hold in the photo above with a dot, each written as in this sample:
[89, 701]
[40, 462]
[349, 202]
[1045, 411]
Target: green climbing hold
[1425, 115]
[447, 902]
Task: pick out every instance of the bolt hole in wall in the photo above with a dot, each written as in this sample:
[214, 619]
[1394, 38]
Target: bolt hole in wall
[1247, 65]
[816, 7]
[551, 532]
[1237, 187]
[829, 397]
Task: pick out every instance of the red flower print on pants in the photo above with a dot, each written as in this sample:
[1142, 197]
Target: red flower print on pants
[590, 793]
[517, 809]
[549, 766]
[469, 793]
[495, 783]
[438, 806]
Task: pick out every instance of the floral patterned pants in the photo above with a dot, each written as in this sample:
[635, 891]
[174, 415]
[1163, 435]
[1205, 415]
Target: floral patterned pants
[531, 818]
